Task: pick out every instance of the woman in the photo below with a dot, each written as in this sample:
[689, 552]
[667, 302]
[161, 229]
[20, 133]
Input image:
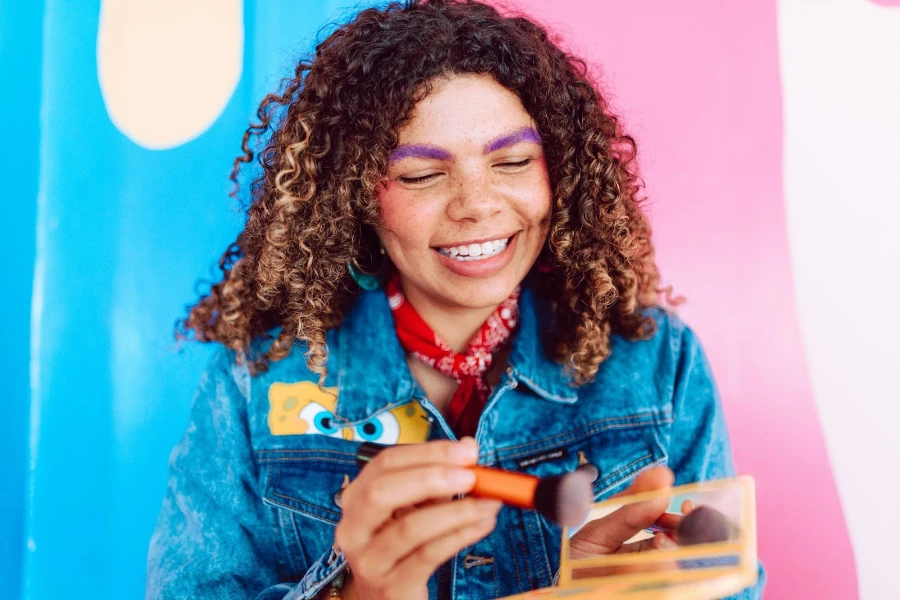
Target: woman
[445, 249]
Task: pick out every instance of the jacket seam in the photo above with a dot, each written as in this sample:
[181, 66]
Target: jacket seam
[301, 510]
[610, 485]
[504, 453]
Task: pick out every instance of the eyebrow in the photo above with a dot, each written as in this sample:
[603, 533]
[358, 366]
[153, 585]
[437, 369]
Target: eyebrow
[419, 151]
[526, 134]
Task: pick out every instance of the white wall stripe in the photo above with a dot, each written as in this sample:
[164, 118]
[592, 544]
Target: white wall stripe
[840, 61]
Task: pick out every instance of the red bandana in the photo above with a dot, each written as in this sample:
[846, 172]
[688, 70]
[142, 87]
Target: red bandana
[468, 369]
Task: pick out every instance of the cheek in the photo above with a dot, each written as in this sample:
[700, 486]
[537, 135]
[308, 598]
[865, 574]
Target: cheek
[537, 202]
[401, 215]
[389, 203]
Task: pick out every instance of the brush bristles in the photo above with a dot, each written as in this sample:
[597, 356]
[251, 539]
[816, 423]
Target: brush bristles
[704, 525]
[565, 499]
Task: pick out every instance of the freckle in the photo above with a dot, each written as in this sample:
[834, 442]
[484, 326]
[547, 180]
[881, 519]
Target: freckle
[282, 418]
[290, 403]
[410, 410]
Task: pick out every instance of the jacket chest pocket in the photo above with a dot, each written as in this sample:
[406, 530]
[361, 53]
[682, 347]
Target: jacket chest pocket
[619, 454]
[619, 449]
[304, 486]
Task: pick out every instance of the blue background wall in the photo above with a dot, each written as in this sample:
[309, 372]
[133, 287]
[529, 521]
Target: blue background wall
[20, 52]
[114, 237]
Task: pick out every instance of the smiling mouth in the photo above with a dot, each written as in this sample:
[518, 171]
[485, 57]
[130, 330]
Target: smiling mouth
[473, 252]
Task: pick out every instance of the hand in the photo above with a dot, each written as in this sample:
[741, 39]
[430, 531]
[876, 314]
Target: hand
[400, 522]
[608, 535]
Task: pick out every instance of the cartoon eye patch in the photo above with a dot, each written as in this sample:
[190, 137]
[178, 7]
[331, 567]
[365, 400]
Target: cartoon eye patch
[304, 409]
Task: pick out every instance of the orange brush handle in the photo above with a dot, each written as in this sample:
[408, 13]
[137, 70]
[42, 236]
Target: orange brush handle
[516, 489]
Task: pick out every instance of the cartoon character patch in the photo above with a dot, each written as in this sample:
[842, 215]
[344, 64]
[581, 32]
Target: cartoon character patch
[302, 408]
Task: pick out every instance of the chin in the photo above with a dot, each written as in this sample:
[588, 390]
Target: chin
[477, 293]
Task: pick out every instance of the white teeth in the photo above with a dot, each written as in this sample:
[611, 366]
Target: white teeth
[475, 251]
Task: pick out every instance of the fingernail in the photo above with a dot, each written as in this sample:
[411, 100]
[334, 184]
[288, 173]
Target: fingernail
[466, 449]
[664, 541]
[461, 477]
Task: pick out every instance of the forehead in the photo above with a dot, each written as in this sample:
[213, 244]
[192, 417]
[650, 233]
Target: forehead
[464, 110]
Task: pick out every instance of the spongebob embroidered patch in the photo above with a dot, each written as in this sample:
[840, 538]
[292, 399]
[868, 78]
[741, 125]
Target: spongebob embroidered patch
[303, 409]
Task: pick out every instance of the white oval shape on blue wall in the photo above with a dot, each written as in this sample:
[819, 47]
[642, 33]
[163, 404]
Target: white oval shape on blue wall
[167, 68]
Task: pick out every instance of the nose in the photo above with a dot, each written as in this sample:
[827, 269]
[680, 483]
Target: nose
[474, 198]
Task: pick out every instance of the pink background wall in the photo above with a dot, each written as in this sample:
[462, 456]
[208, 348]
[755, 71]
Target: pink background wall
[698, 85]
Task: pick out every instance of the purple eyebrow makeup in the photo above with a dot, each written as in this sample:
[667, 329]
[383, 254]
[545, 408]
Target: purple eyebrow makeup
[419, 151]
[528, 134]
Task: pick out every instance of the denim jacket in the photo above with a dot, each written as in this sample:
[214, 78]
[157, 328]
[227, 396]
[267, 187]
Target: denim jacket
[250, 510]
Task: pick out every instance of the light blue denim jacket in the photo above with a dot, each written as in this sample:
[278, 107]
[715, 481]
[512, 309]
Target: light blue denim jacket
[250, 509]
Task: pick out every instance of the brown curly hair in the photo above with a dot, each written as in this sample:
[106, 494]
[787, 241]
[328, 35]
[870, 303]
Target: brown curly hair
[327, 137]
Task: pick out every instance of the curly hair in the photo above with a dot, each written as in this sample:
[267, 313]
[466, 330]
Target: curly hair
[327, 137]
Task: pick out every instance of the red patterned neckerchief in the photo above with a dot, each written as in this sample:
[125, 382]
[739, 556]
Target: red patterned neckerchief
[467, 368]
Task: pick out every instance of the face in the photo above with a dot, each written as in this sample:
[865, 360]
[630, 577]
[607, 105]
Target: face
[466, 205]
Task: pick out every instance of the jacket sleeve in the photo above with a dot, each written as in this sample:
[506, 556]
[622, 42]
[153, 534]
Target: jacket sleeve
[214, 537]
[699, 448]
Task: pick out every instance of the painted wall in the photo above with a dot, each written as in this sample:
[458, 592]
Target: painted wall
[767, 137]
[20, 60]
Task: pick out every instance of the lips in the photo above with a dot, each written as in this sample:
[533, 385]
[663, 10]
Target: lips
[500, 254]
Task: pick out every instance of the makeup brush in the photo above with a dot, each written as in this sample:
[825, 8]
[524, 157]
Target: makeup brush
[563, 499]
[703, 525]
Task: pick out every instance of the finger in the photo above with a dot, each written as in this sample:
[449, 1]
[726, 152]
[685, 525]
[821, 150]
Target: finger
[686, 507]
[405, 510]
[607, 534]
[419, 565]
[639, 546]
[661, 541]
[403, 456]
[398, 539]
[669, 520]
[368, 504]
[654, 478]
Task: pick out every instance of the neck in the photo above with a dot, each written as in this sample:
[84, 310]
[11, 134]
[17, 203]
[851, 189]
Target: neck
[455, 325]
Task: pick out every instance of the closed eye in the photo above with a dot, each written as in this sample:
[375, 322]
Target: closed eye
[516, 164]
[422, 179]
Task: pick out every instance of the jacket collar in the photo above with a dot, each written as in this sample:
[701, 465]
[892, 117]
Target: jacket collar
[371, 369]
[372, 374]
[529, 362]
